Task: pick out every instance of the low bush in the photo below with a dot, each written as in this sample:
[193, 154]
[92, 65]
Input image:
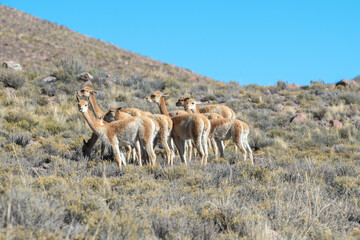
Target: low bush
[12, 78]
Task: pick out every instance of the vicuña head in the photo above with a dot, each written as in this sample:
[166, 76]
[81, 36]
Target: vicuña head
[156, 96]
[83, 104]
[190, 104]
[85, 91]
[180, 101]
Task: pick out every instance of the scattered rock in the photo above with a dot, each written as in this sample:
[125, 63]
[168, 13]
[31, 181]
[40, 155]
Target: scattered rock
[49, 79]
[85, 76]
[268, 92]
[347, 82]
[293, 85]
[299, 117]
[336, 124]
[12, 65]
[273, 235]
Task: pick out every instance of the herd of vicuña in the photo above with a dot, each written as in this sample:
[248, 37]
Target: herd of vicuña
[192, 130]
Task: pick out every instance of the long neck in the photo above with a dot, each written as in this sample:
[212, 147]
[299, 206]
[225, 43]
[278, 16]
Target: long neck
[97, 111]
[197, 109]
[92, 122]
[162, 106]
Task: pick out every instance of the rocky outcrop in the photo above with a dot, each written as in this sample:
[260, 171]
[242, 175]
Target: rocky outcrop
[49, 79]
[293, 85]
[12, 65]
[85, 76]
[336, 124]
[299, 117]
[347, 82]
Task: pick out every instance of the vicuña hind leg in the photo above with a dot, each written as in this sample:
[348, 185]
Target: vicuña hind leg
[119, 157]
[200, 149]
[138, 153]
[213, 146]
[246, 144]
[172, 150]
[204, 138]
[220, 146]
[180, 145]
[150, 152]
[238, 142]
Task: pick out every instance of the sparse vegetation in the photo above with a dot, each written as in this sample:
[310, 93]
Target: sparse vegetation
[304, 183]
[11, 78]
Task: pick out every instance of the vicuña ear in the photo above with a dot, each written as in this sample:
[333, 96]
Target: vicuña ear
[164, 94]
[198, 102]
[77, 98]
[93, 91]
[185, 99]
[84, 141]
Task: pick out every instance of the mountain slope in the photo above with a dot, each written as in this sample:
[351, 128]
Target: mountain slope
[36, 42]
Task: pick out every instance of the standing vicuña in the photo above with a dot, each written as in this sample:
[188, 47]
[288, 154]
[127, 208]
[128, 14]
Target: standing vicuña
[112, 115]
[122, 133]
[224, 129]
[186, 126]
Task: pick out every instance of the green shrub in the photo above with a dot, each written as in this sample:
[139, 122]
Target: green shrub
[281, 84]
[350, 97]
[42, 100]
[11, 78]
[53, 127]
[20, 119]
[67, 70]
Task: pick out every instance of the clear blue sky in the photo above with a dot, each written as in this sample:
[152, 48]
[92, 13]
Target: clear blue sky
[251, 42]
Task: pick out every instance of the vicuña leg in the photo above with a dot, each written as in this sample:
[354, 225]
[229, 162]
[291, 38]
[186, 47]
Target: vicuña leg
[119, 156]
[246, 144]
[238, 140]
[88, 146]
[180, 145]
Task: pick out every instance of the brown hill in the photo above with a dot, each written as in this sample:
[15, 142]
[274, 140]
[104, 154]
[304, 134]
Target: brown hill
[36, 42]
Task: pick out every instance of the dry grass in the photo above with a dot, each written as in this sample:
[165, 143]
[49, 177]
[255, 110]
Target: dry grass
[305, 183]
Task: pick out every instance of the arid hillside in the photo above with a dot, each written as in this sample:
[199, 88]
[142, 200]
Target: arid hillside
[36, 42]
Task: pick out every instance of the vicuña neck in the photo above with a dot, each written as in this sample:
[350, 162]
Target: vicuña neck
[95, 126]
[97, 111]
[162, 106]
[197, 109]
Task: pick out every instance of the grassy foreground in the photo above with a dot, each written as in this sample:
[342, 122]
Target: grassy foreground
[305, 183]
